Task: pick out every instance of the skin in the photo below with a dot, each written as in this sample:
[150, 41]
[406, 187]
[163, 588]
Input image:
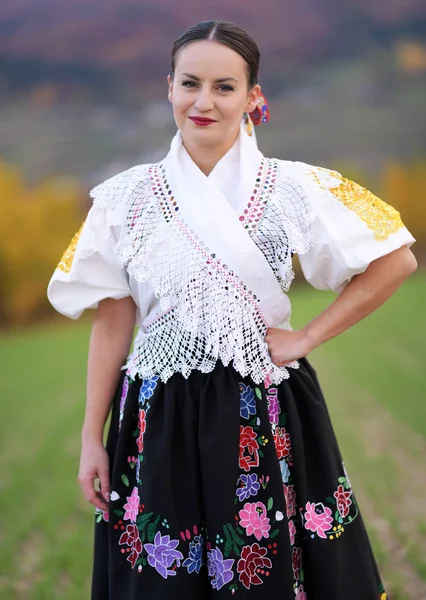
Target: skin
[225, 101]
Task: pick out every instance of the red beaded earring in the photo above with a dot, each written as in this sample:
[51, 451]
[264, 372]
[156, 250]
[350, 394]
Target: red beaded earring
[261, 113]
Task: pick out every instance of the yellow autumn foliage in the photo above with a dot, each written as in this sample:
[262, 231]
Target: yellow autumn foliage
[36, 223]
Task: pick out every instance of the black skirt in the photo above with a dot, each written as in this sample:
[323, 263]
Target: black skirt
[222, 488]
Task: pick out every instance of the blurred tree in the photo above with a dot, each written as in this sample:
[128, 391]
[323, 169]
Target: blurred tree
[35, 226]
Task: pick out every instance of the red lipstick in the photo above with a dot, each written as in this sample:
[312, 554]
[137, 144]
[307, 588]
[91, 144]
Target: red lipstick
[202, 121]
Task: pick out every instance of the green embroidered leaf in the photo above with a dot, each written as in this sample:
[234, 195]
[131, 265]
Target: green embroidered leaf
[342, 479]
[141, 458]
[152, 529]
[228, 548]
[117, 512]
[125, 480]
[144, 563]
[240, 531]
[301, 575]
[283, 420]
[261, 454]
[258, 393]
[99, 518]
[330, 500]
[336, 515]
[228, 543]
[270, 503]
[142, 520]
[274, 534]
[350, 519]
[135, 433]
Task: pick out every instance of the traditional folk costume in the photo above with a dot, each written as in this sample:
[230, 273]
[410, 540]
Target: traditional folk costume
[226, 476]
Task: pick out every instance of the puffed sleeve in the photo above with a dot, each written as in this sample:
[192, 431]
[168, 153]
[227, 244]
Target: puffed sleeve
[351, 227]
[90, 270]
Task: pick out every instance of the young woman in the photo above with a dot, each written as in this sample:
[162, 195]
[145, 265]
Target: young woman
[222, 475]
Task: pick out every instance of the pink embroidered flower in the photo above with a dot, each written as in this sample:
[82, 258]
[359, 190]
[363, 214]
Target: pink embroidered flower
[253, 517]
[249, 456]
[296, 559]
[142, 428]
[343, 500]
[282, 442]
[300, 593]
[292, 532]
[318, 518]
[267, 381]
[290, 499]
[273, 406]
[252, 563]
[132, 506]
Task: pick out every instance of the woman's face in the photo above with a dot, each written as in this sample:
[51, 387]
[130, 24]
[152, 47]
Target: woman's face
[210, 93]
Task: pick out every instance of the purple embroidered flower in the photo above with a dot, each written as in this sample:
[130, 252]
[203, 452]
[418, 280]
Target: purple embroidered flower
[273, 406]
[219, 569]
[147, 388]
[285, 471]
[195, 558]
[247, 401]
[250, 487]
[162, 554]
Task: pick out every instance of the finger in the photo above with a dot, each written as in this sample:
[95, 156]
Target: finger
[98, 501]
[104, 483]
[93, 496]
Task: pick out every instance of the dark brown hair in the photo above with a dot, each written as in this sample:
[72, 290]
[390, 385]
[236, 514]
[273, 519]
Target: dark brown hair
[225, 33]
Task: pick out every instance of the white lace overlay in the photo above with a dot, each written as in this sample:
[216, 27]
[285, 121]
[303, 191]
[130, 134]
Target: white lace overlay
[209, 314]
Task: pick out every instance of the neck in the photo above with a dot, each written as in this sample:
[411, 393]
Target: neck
[207, 157]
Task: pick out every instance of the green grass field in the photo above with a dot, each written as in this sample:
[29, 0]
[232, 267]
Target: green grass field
[375, 382]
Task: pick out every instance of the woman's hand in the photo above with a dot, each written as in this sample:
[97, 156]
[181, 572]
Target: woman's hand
[287, 346]
[94, 464]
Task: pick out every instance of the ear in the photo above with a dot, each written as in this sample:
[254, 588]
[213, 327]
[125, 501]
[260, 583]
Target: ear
[170, 84]
[253, 97]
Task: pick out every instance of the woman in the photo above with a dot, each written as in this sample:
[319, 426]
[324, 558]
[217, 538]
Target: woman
[222, 475]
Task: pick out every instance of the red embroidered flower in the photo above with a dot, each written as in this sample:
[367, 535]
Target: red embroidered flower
[134, 555]
[290, 498]
[249, 456]
[343, 500]
[282, 442]
[142, 428]
[297, 561]
[253, 560]
[129, 536]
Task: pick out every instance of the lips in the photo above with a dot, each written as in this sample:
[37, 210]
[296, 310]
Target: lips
[202, 121]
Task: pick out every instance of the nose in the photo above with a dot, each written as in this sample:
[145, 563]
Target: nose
[204, 102]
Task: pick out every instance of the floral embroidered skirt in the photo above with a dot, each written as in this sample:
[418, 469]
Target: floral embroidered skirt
[224, 488]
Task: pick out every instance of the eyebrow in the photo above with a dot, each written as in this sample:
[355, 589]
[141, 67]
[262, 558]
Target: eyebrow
[221, 80]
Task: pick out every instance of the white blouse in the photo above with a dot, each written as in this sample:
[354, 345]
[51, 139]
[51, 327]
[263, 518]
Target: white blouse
[335, 226]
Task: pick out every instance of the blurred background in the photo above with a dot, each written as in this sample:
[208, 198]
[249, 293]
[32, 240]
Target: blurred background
[82, 97]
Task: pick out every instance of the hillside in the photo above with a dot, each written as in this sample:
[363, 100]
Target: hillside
[99, 44]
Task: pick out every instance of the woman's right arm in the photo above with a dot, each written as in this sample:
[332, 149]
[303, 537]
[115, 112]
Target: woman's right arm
[110, 342]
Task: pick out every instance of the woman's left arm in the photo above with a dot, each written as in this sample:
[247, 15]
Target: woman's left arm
[362, 296]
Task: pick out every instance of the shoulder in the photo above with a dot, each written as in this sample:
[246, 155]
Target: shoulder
[116, 189]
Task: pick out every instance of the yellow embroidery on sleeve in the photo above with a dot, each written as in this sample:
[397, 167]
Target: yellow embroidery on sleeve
[65, 263]
[381, 218]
